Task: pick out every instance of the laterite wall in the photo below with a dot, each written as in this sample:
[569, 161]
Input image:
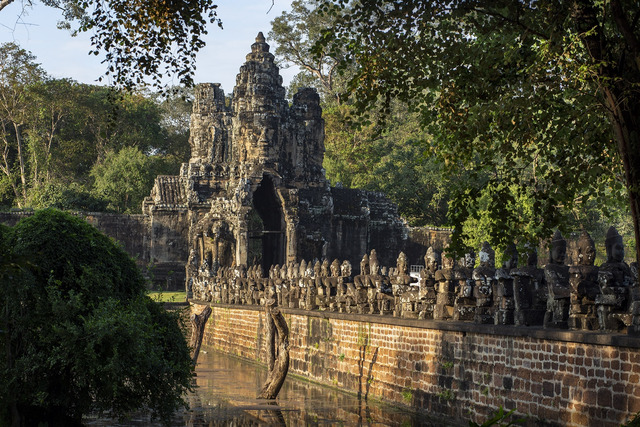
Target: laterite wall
[458, 369]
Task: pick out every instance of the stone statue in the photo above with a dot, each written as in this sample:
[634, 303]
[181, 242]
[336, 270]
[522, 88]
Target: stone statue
[634, 328]
[339, 302]
[484, 278]
[327, 293]
[464, 303]
[556, 275]
[614, 305]
[445, 291]
[310, 302]
[529, 292]
[503, 291]
[405, 295]
[427, 282]
[583, 279]
[361, 280]
[191, 271]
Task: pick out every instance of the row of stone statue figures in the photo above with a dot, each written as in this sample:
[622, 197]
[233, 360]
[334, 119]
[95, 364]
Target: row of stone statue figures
[581, 297]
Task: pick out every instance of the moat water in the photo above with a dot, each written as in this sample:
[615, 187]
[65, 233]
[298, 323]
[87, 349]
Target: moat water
[226, 396]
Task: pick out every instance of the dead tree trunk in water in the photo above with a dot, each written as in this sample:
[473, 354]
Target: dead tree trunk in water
[198, 321]
[277, 362]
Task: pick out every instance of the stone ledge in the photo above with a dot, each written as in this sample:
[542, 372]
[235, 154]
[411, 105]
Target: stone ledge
[586, 337]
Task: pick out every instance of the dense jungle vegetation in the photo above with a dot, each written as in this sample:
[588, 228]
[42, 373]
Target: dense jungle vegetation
[85, 147]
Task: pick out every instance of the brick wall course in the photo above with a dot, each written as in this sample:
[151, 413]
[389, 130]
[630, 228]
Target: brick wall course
[464, 374]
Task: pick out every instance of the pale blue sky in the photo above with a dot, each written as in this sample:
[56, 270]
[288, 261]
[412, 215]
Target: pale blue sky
[64, 56]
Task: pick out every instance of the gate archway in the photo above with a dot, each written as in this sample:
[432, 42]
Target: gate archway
[267, 239]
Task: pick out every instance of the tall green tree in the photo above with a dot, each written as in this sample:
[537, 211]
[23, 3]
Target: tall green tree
[539, 96]
[79, 335]
[55, 130]
[295, 32]
[387, 157]
[18, 71]
[123, 179]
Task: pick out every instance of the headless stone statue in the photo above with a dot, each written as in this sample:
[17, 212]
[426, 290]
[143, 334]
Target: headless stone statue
[615, 304]
[484, 277]
[503, 295]
[583, 278]
[556, 275]
[529, 292]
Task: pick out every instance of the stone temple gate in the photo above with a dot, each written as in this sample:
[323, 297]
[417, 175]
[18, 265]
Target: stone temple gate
[254, 190]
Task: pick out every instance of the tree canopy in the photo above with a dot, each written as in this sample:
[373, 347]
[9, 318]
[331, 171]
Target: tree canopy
[79, 334]
[140, 38]
[536, 100]
[379, 156]
[54, 132]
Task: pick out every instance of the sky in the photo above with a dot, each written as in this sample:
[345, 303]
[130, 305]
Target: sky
[63, 56]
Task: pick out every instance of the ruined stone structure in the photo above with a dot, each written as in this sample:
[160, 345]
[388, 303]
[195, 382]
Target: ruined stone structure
[254, 191]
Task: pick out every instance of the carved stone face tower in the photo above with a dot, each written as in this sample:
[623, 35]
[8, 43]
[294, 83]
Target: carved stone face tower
[248, 161]
[254, 191]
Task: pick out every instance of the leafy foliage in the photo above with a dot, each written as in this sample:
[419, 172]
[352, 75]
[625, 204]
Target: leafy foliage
[522, 95]
[388, 158]
[76, 318]
[295, 32]
[142, 38]
[379, 155]
[123, 179]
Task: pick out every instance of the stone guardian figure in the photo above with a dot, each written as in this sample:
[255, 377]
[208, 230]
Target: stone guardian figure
[614, 304]
[556, 275]
[583, 278]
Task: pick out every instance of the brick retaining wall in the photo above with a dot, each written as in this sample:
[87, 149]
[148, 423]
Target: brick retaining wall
[461, 370]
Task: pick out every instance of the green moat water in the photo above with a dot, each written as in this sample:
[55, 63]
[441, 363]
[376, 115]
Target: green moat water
[226, 396]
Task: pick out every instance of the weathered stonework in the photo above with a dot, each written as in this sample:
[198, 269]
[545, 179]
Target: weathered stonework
[460, 369]
[254, 191]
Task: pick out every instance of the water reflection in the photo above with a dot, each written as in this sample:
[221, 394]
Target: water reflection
[226, 395]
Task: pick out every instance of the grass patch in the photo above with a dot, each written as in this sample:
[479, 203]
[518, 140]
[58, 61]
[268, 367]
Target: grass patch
[167, 296]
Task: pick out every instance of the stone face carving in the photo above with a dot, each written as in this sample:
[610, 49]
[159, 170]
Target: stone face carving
[446, 280]
[615, 304]
[583, 278]
[427, 294]
[254, 186]
[556, 275]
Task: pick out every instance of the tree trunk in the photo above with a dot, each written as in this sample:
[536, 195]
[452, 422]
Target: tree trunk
[198, 322]
[616, 82]
[23, 172]
[278, 364]
[626, 123]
